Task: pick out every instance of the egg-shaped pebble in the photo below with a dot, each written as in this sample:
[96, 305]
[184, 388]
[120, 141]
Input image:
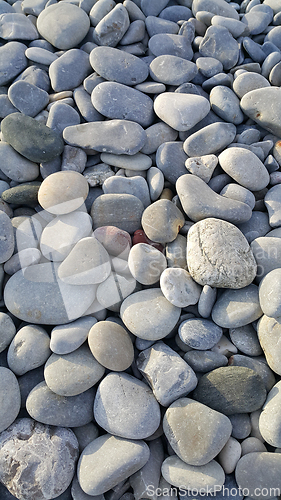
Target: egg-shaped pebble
[200, 333]
[146, 263]
[63, 192]
[179, 288]
[29, 349]
[254, 177]
[162, 221]
[181, 111]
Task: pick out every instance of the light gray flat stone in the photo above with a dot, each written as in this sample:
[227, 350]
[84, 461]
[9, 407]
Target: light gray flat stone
[181, 111]
[235, 308]
[67, 338]
[255, 177]
[29, 349]
[9, 398]
[193, 477]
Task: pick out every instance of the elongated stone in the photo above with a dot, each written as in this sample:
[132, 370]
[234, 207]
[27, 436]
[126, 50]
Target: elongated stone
[210, 139]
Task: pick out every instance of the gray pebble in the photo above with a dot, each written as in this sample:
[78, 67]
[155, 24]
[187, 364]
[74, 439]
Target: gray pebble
[241, 425]
[162, 221]
[270, 61]
[29, 349]
[40, 55]
[262, 465]
[259, 366]
[169, 44]
[15, 166]
[172, 70]
[14, 26]
[176, 13]
[206, 301]
[236, 28]
[156, 135]
[214, 44]
[7, 240]
[7, 330]
[36, 76]
[216, 7]
[256, 226]
[254, 104]
[170, 159]
[99, 10]
[246, 340]
[200, 334]
[6, 107]
[269, 295]
[83, 102]
[205, 361]
[181, 111]
[61, 71]
[210, 139]
[272, 203]
[248, 81]
[134, 34]
[236, 308]
[267, 252]
[62, 115]
[273, 36]
[73, 159]
[121, 210]
[9, 398]
[151, 87]
[156, 25]
[12, 61]
[28, 381]
[226, 104]
[239, 193]
[92, 81]
[112, 27]
[28, 98]
[118, 66]
[256, 176]
[68, 338]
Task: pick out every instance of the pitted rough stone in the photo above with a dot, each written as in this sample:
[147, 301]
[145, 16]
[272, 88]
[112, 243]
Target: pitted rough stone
[219, 255]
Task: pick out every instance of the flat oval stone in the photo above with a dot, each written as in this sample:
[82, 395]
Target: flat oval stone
[149, 315]
[61, 71]
[258, 365]
[73, 373]
[200, 333]
[206, 301]
[170, 159]
[172, 70]
[179, 288]
[201, 478]
[269, 294]
[40, 55]
[248, 81]
[111, 460]
[111, 345]
[138, 161]
[25, 290]
[88, 263]
[255, 105]
[62, 233]
[210, 139]
[126, 407]
[235, 308]
[219, 255]
[121, 210]
[63, 192]
[231, 389]
[15, 166]
[7, 330]
[146, 263]
[205, 361]
[29, 349]
[12, 61]
[258, 470]
[167, 43]
[215, 7]
[49, 408]
[112, 27]
[9, 398]
[268, 333]
[181, 423]
[256, 176]
[118, 66]
[114, 136]
[22, 194]
[7, 241]
[162, 221]
[64, 26]
[30, 138]
[246, 340]
[52, 453]
[181, 111]
[67, 338]
[239, 193]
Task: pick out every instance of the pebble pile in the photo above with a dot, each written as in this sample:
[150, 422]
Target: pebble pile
[140, 249]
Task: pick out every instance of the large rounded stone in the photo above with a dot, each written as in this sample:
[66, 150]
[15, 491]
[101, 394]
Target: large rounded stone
[67, 338]
[219, 255]
[236, 308]
[149, 315]
[108, 461]
[111, 345]
[64, 26]
[126, 407]
[29, 349]
[255, 105]
[195, 432]
[231, 389]
[254, 177]
[269, 294]
[270, 418]
[30, 138]
[269, 331]
[181, 111]
[146, 263]
[63, 192]
[37, 462]
[259, 472]
[204, 478]
[10, 401]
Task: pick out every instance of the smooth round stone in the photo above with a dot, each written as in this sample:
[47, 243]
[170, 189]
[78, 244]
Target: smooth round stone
[169, 44]
[73, 373]
[115, 289]
[155, 180]
[272, 203]
[153, 8]
[29, 349]
[51, 453]
[28, 98]
[259, 471]
[115, 100]
[97, 12]
[116, 241]
[241, 425]
[37, 76]
[61, 71]
[191, 447]
[176, 13]
[226, 104]
[202, 166]
[199, 333]
[121, 210]
[162, 221]
[179, 288]
[217, 7]
[248, 81]
[235, 308]
[255, 105]
[275, 75]
[210, 139]
[155, 315]
[68, 338]
[256, 176]
[239, 193]
[137, 186]
[110, 460]
[62, 233]
[231, 389]
[236, 28]
[111, 345]
[63, 192]
[269, 63]
[125, 407]
[269, 294]
[229, 455]
[26, 290]
[205, 361]
[268, 333]
[49, 408]
[61, 115]
[203, 478]
[112, 27]
[267, 251]
[12, 61]
[172, 70]
[84, 105]
[270, 418]
[63, 25]
[17, 26]
[273, 36]
[88, 263]
[257, 21]
[146, 263]
[227, 260]
[7, 241]
[246, 340]
[118, 66]
[219, 43]
[30, 138]
[22, 194]
[251, 445]
[114, 136]
[7, 330]
[170, 159]
[181, 111]
[168, 375]
[15, 166]
[9, 398]
[155, 25]
[135, 33]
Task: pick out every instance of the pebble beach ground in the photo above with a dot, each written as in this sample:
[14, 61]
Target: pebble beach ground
[140, 249]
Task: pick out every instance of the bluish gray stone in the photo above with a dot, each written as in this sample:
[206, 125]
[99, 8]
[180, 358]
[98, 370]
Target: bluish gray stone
[62, 115]
[12, 61]
[237, 192]
[246, 340]
[206, 301]
[176, 13]
[155, 25]
[36, 76]
[200, 333]
[153, 7]
[257, 21]
[181, 111]
[218, 7]
[209, 66]
[92, 81]
[210, 139]
[9, 398]
[205, 361]
[115, 100]
[218, 79]
[7, 240]
[7, 330]
[6, 7]
[67, 338]
[219, 43]
[6, 107]
[121, 210]
[235, 308]
[14, 26]
[255, 177]
[110, 30]
[136, 186]
[151, 87]
[170, 159]
[172, 70]
[275, 75]
[274, 36]
[254, 50]
[40, 55]
[61, 70]
[28, 98]
[29, 349]
[156, 135]
[247, 81]
[118, 66]
[273, 205]
[99, 10]
[236, 28]
[256, 226]
[134, 34]
[15, 166]
[169, 44]
[226, 104]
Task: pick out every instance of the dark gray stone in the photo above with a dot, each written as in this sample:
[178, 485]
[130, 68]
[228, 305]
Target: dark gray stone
[176, 13]
[28, 381]
[254, 50]
[231, 389]
[121, 210]
[205, 361]
[259, 366]
[12, 61]
[28, 98]
[153, 7]
[170, 159]
[15, 166]
[61, 70]
[23, 194]
[118, 66]
[256, 226]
